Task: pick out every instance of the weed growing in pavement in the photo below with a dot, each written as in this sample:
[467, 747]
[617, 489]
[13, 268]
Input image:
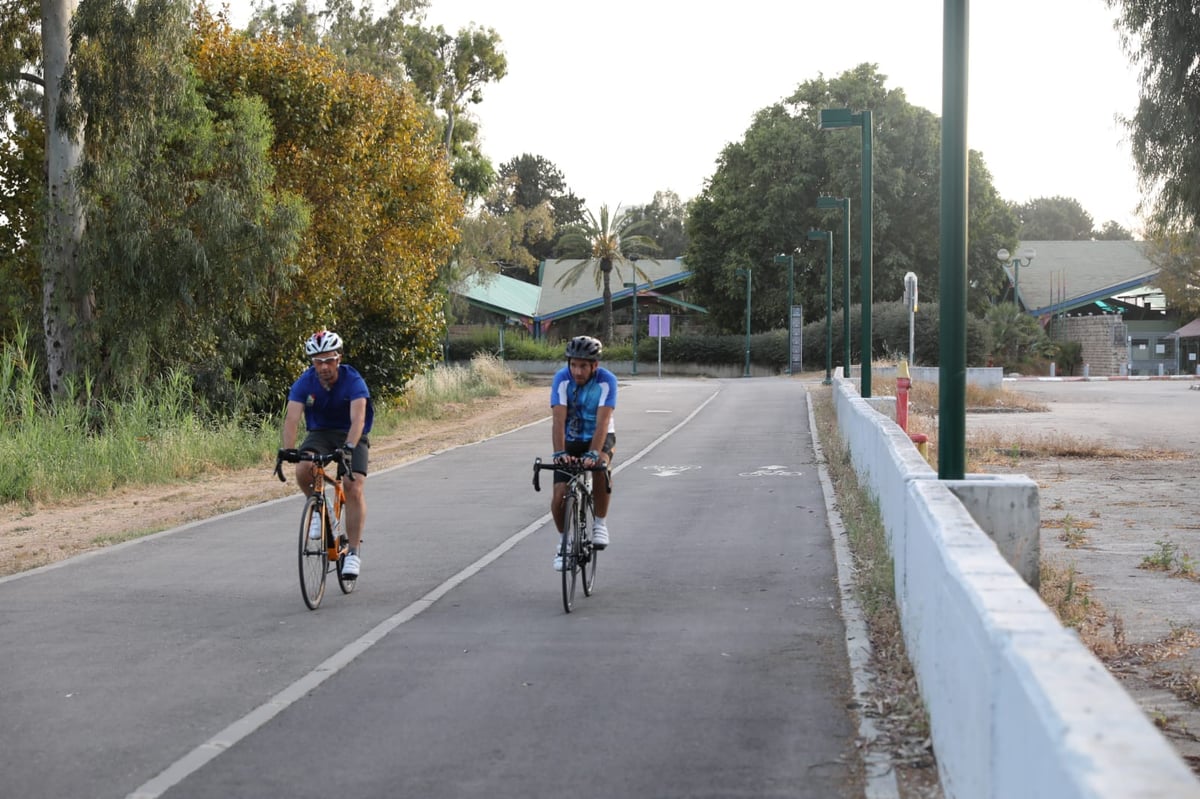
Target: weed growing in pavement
[1072, 530]
[1167, 557]
[1070, 597]
[902, 715]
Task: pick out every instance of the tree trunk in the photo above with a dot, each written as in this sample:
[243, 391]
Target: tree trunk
[606, 271]
[63, 309]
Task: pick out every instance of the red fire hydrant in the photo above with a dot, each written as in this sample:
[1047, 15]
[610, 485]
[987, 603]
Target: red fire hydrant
[903, 384]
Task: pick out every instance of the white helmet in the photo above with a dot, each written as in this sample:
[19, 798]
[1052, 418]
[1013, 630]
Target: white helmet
[323, 341]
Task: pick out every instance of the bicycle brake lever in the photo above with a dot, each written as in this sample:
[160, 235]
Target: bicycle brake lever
[279, 470]
[536, 483]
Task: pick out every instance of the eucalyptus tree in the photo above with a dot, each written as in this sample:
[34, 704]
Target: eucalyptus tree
[1161, 39]
[606, 245]
[528, 181]
[22, 167]
[665, 216]
[183, 219]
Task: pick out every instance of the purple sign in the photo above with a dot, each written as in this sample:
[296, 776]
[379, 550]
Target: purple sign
[660, 325]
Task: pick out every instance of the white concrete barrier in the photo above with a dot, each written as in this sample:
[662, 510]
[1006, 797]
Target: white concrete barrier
[1018, 707]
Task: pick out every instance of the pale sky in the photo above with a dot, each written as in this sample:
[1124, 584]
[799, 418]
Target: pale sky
[1046, 80]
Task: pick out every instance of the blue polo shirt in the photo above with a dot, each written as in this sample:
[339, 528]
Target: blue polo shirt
[330, 410]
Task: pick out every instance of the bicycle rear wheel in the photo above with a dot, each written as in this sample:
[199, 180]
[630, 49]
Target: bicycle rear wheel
[588, 555]
[313, 559]
[570, 552]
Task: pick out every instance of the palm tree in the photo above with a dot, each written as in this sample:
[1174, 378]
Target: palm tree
[604, 246]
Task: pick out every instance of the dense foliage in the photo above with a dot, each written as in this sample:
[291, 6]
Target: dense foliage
[762, 201]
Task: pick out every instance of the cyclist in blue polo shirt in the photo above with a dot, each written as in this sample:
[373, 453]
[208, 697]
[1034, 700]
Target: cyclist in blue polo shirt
[338, 413]
[583, 398]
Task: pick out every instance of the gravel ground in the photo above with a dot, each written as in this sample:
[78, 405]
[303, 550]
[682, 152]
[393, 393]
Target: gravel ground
[1105, 517]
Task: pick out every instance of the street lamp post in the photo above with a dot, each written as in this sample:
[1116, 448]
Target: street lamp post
[827, 237]
[790, 260]
[747, 272]
[844, 204]
[633, 287]
[833, 119]
[1025, 258]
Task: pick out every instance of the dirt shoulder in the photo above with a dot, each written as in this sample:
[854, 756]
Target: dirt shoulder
[39, 535]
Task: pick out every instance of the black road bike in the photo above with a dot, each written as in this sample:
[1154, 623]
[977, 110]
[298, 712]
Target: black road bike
[579, 557]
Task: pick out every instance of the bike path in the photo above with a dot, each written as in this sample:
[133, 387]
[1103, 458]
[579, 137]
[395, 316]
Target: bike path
[145, 653]
[710, 662]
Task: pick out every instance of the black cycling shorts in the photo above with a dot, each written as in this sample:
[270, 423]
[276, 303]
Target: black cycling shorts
[323, 441]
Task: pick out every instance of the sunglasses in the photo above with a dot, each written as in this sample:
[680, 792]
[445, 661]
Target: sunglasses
[330, 359]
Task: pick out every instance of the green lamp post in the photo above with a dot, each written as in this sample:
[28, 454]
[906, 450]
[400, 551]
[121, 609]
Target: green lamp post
[843, 203]
[633, 288]
[834, 119]
[747, 272]
[790, 260]
[1024, 258]
[827, 237]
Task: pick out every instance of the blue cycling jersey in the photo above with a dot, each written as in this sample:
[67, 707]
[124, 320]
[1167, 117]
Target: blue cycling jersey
[582, 402]
[330, 410]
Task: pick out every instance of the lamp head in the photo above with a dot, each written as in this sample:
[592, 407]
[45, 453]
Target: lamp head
[629, 285]
[1027, 255]
[782, 258]
[1002, 254]
[818, 235]
[830, 202]
[833, 118]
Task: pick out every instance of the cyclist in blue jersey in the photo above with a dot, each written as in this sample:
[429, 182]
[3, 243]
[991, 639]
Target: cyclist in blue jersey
[338, 413]
[583, 398]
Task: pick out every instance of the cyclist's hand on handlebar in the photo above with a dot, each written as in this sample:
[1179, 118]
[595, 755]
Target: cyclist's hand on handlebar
[289, 455]
[561, 458]
[590, 458]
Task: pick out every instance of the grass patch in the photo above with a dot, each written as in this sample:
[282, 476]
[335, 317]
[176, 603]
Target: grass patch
[1070, 597]
[900, 706]
[85, 444]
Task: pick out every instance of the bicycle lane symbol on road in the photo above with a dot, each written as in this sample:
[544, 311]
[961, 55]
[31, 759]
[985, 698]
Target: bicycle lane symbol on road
[770, 471]
[668, 471]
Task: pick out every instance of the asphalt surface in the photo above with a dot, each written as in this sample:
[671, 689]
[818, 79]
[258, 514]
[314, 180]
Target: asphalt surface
[710, 662]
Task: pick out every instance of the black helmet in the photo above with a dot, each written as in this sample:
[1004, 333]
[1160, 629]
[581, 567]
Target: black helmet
[584, 347]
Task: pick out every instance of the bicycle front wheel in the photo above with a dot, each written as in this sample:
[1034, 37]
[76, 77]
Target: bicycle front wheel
[313, 557]
[569, 549]
[588, 554]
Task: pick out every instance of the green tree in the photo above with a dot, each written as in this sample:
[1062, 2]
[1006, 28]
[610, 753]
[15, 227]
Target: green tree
[1113, 231]
[1177, 255]
[1161, 39]
[531, 181]
[357, 150]
[606, 245]
[22, 167]
[1055, 219]
[762, 201]
[182, 223]
[665, 217]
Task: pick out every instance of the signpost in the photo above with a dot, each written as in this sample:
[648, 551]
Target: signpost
[660, 328]
[797, 339]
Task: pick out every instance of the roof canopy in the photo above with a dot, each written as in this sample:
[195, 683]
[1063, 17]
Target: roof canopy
[555, 299]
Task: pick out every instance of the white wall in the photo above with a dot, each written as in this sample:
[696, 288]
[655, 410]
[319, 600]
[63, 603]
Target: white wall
[1018, 706]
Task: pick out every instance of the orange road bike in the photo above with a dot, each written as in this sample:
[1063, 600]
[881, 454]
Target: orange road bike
[579, 557]
[326, 552]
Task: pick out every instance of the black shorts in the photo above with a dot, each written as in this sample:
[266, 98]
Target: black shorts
[324, 441]
[577, 448]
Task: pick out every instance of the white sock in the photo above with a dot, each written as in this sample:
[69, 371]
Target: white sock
[599, 522]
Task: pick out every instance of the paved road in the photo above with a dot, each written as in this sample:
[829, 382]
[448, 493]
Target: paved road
[710, 662]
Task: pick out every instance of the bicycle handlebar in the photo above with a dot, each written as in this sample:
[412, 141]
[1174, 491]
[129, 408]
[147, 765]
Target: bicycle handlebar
[295, 456]
[572, 469]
